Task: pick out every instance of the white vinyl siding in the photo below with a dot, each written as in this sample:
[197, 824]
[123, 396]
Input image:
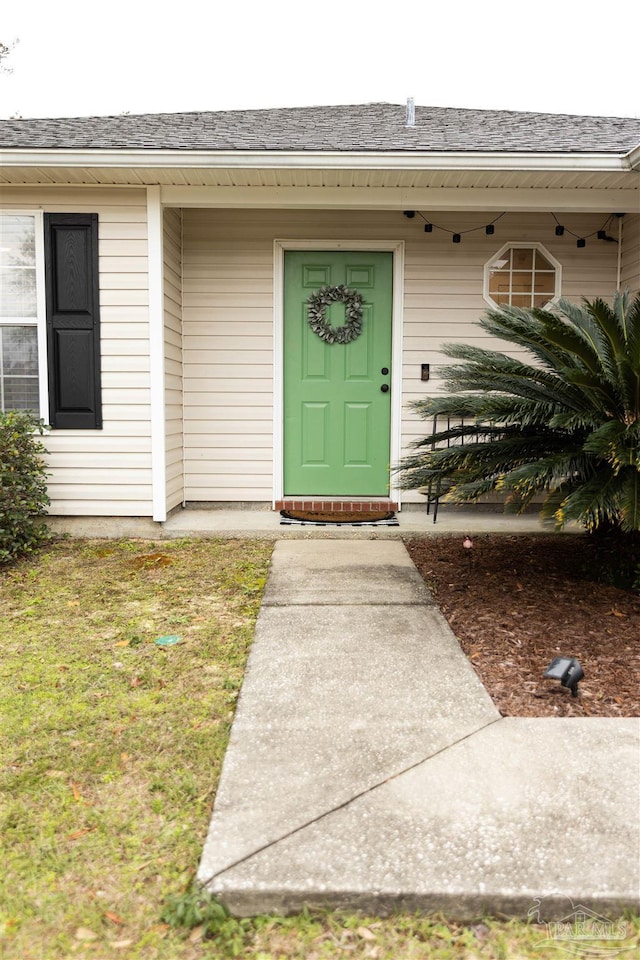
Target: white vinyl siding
[219, 360]
[228, 319]
[172, 249]
[228, 357]
[107, 472]
[630, 265]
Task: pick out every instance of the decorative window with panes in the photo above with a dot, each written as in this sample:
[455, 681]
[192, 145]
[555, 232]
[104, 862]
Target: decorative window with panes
[522, 275]
[19, 333]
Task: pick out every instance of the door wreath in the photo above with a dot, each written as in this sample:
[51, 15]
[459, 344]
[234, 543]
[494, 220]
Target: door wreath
[317, 305]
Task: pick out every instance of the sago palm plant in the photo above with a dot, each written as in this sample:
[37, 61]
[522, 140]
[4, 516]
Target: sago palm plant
[565, 425]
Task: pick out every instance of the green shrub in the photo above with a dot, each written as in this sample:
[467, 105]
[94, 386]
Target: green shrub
[23, 485]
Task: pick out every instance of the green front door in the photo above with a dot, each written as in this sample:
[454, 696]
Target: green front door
[337, 397]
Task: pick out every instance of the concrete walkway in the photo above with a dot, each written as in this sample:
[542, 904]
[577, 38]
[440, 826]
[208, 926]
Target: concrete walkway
[368, 768]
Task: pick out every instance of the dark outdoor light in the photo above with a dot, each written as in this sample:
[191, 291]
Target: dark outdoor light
[456, 235]
[567, 670]
[581, 242]
[559, 230]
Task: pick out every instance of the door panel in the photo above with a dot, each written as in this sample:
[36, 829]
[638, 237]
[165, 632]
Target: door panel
[336, 417]
[315, 434]
[357, 434]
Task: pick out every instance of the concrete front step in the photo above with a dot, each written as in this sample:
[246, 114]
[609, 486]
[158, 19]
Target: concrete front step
[517, 817]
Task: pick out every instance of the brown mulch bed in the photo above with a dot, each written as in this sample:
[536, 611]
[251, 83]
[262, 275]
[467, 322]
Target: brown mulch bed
[516, 602]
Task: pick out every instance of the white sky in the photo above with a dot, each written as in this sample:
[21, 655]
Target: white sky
[77, 58]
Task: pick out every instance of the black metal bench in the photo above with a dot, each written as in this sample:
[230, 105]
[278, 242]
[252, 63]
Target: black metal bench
[437, 487]
[434, 488]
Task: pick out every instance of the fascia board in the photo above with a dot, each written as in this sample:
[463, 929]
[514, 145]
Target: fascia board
[633, 158]
[269, 160]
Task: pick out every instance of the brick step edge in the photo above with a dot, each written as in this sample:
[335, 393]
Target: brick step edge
[337, 506]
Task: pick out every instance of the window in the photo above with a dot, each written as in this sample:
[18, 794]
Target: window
[20, 332]
[522, 275]
[50, 317]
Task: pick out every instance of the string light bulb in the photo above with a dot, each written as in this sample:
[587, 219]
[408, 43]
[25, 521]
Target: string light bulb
[489, 228]
[581, 242]
[430, 227]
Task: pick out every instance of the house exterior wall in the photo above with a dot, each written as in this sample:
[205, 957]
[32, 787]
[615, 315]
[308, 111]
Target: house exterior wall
[228, 312]
[173, 380]
[218, 337]
[630, 265]
[107, 472]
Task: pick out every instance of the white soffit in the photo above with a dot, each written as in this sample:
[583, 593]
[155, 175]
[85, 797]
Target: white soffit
[481, 181]
[616, 178]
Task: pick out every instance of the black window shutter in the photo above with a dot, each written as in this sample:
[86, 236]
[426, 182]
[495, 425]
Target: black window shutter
[73, 320]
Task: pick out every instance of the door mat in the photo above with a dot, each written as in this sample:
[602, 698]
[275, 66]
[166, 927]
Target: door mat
[321, 518]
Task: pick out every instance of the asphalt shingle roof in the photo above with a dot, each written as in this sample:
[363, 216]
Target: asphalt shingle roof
[369, 127]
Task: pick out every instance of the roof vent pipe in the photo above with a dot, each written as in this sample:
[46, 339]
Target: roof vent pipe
[411, 112]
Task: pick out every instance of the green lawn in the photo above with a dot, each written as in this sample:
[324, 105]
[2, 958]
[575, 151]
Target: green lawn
[110, 752]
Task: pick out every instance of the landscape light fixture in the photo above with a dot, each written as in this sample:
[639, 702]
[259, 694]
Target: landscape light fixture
[581, 242]
[567, 670]
[409, 214]
[559, 230]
